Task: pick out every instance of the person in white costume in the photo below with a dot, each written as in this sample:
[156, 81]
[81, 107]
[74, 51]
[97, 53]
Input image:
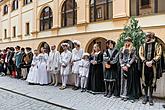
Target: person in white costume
[42, 67]
[84, 71]
[54, 65]
[33, 76]
[77, 54]
[66, 56]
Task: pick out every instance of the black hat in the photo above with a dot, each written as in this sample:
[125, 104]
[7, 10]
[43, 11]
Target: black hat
[28, 48]
[17, 47]
[12, 48]
[150, 34]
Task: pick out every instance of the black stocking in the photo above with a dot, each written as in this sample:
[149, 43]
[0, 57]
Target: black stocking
[107, 87]
[111, 88]
[150, 93]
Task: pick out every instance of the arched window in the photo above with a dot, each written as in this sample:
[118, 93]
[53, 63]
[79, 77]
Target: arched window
[5, 9]
[15, 5]
[46, 19]
[101, 10]
[69, 13]
[27, 2]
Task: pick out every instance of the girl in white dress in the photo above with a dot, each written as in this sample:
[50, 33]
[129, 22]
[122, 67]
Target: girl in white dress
[42, 67]
[84, 71]
[33, 76]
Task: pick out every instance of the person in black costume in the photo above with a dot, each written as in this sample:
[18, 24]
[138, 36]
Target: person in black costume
[150, 53]
[110, 57]
[95, 82]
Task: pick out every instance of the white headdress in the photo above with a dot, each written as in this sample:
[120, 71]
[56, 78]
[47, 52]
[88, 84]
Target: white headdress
[65, 44]
[76, 42]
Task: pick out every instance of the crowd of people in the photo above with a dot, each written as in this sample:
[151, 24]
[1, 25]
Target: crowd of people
[112, 72]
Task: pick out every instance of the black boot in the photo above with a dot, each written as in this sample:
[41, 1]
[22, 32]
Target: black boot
[150, 96]
[106, 88]
[163, 106]
[145, 100]
[111, 89]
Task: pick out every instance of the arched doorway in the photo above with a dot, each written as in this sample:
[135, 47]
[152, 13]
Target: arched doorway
[65, 41]
[45, 45]
[101, 41]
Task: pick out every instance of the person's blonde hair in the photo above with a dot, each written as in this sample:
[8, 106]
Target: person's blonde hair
[93, 51]
[130, 47]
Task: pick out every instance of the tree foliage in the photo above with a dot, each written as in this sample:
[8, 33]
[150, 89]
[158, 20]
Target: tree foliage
[134, 31]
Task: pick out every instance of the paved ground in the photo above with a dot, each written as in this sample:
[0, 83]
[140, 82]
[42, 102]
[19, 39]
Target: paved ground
[68, 98]
[12, 101]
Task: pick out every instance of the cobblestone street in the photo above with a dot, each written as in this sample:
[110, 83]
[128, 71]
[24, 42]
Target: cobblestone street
[11, 101]
[67, 98]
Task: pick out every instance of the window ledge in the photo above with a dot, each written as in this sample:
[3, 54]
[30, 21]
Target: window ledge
[145, 7]
[62, 27]
[152, 14]
[27, 34]
[45, 30]
[7, 38]
[14, 10]
[5, 14]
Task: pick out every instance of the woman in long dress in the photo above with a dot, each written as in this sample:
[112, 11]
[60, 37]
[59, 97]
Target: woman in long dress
[96, 76]
[130, 82]
[42, 67]
[33, 76]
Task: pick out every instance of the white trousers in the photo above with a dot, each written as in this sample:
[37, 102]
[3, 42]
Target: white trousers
[76, 80]
[84, 82]
[64, 80]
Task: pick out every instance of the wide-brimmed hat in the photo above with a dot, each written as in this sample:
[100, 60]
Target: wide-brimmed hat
[128, 39]
[76, 42]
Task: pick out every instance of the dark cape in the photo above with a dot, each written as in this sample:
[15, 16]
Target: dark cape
[134, 86]
[95, 82]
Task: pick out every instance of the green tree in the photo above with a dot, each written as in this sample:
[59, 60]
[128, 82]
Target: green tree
[134, 31]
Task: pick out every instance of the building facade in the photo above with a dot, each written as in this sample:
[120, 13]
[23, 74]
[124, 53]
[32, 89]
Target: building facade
[38, 23]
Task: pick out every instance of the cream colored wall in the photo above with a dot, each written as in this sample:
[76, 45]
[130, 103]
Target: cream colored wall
[161, 6]
[27, 19]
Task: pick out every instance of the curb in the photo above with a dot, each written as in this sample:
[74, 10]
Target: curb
[37, 99]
